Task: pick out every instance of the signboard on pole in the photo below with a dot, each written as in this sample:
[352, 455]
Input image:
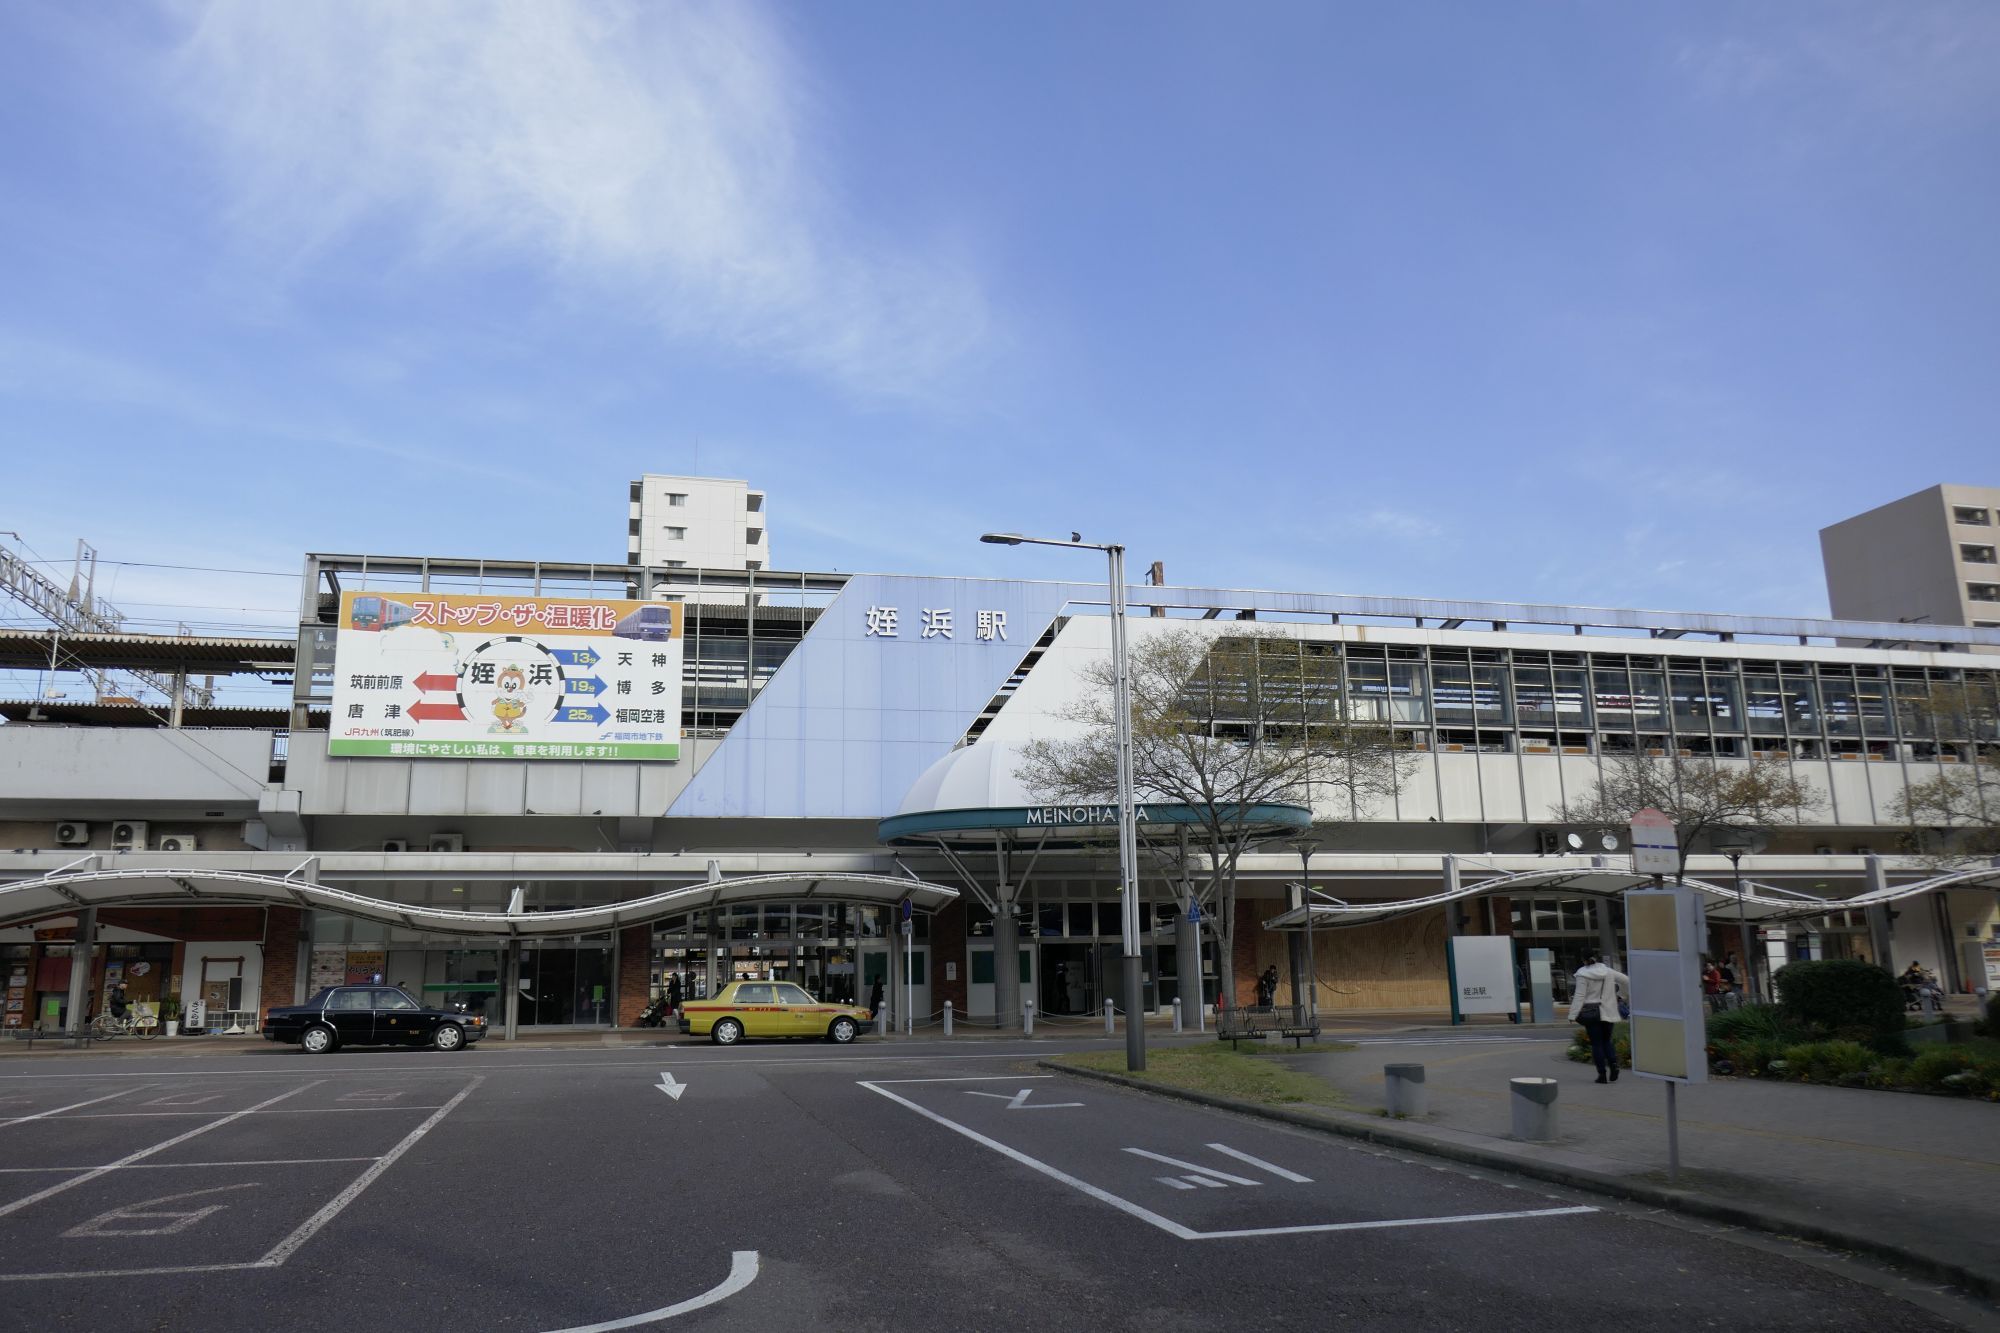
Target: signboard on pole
[1663, 933]
[1482, 974]
[1655, 849]
[475, 676]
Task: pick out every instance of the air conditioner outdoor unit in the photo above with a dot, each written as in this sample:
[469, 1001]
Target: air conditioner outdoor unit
[176, 842]
[396, 844]
[1822, 850]
[129, 835]
[70, 833]
[447, 842]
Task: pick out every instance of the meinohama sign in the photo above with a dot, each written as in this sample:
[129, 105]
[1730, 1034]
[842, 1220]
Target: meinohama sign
[466, 676]
[1655, 847]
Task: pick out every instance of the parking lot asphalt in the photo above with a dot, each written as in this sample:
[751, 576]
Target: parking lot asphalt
[774, 1187]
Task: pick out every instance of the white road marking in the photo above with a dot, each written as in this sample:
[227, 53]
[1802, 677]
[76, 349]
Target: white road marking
[1019, 1101]
[369, 1095]
[437, 1070]
[671, 1088]
[742, 1272]
[1147, 1215]
[1261, 1164]
[144, 1153]
[1174, 1181]
[39, 1115]
[289, 1110]
[174, 1166]
[968, 1078]
[181, 1219]
[1223, 1176]
[186, 1099]
[285, 1248]
[1397, 1222]
[1174, 1228]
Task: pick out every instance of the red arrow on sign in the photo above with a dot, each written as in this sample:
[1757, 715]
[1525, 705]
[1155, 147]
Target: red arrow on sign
[438, 712]
[433, 681]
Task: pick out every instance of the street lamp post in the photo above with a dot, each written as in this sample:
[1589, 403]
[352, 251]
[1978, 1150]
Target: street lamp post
[1305, 847]
[1128, 838]
[1736, 851]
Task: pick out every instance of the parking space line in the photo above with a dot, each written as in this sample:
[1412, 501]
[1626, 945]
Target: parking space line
[1147, 1215]
[289, 1110]
[41, 1115]
[144, 1153]
[172, 1166]
[1389, 1223]
[285, 1248]
[1181, 1232]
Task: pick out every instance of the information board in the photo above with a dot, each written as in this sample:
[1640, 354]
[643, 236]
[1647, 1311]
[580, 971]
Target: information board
[469, 676]
[1663, 933]
[1482, 974]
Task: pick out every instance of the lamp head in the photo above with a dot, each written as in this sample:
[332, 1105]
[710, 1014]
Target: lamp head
[1001, 538]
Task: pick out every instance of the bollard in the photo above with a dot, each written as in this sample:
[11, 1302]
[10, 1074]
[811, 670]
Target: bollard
[1027, 1018]
[882, 1021]
[1929, 1004]
[1403, 1089]
[1534, 1103]
[1177, 1014]
[947, 1018]
[1110, 1019]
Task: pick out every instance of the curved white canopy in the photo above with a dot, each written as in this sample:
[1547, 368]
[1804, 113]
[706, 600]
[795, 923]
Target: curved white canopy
[64, 892]
[1759, 902]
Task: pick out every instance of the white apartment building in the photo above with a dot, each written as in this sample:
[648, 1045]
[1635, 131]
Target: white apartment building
[696, 523]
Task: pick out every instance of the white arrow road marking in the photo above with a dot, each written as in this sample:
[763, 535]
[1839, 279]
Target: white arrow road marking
[1019, 1101]
[1261, 1164]
[673, 1090]
[176, 1219]
[1198, 1171]
[742, 1272]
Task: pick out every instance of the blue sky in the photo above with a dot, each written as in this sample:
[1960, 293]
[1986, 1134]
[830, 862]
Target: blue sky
[1612, 304]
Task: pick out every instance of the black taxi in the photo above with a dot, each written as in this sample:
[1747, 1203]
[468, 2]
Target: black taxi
[370, 1016]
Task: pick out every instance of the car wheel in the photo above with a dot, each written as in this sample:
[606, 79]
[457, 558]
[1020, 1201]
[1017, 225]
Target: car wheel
[727, 1032]
[318, 1040]
[448, 1037]
[842, 1031]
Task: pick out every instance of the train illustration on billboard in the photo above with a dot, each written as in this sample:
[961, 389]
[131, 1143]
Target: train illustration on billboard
[379, 613]
[648, 624]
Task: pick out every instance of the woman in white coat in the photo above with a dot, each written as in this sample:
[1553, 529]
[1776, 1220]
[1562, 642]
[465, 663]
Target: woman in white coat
[1594, 994]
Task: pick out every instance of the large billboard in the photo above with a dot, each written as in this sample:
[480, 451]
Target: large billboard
[470, 676]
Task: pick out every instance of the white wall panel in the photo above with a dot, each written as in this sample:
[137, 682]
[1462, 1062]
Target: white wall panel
[556, 789]
[437, 787]
[1458, 782]
[1542, 782]
[1500, 783]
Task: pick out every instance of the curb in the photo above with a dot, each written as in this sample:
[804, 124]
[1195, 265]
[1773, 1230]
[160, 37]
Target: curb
[1394, 1135]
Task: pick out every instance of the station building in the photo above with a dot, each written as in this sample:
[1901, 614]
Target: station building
[760, 773]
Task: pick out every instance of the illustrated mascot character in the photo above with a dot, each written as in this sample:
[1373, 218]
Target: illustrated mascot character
[508, 706]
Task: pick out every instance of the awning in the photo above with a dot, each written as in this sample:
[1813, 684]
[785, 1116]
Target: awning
[63, 892]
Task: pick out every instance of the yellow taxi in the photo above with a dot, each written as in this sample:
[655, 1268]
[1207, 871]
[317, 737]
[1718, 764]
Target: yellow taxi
[769, 1009]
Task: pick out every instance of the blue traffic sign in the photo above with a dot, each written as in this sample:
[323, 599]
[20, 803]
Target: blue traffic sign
[1194, 912]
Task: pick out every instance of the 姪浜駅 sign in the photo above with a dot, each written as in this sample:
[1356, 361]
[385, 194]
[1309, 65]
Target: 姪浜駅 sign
[471, 676]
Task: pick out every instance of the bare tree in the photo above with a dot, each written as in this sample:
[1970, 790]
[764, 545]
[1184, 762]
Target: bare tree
[1220, 725]
[1702, 795]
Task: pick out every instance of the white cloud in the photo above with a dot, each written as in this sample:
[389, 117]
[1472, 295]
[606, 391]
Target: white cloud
[654, 156]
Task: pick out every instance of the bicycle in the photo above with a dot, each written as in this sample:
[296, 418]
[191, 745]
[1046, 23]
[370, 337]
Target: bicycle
[143, 1026]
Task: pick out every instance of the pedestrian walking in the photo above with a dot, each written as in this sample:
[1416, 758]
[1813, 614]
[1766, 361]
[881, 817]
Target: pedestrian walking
[1731, 995]
[1595, 997]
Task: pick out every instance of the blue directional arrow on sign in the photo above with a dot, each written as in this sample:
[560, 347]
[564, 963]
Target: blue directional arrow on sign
[596, 714]
[577, 657]
[585, 685]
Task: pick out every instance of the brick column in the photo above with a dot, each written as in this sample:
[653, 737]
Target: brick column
[635, 973]
[281, 958]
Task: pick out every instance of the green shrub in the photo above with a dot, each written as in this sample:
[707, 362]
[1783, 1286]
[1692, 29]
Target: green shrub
[1932, 1067]
[1828, 1062]
[1843, 998]
[1749, 1021]
[1889, 1074]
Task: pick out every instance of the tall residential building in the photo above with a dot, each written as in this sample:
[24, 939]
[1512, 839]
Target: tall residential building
[1927, 558]
[696, 523]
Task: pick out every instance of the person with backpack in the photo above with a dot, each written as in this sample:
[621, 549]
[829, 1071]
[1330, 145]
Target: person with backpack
[1597, 995]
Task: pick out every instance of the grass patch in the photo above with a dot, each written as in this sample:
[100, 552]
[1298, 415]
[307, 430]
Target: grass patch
[1245, 1074]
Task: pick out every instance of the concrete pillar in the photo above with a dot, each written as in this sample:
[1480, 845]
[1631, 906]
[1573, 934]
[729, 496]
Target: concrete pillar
[1295, 956]
[1881, 937]
[1403, 1090]
[1607, 935]
[82, 952]
[510, 986]
[1006, 957]
[892, 992]
[708, 952]
[1453, 910]
[1187, 965]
